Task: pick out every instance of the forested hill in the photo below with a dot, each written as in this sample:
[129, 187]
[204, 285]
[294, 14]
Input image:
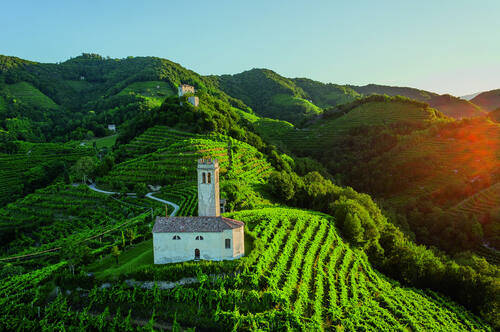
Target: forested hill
[79, 97]
[269, 94]
[449, 105]
[489, 100]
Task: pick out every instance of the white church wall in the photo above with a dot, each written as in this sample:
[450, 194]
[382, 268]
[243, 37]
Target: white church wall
[238, 242]
[212, 247]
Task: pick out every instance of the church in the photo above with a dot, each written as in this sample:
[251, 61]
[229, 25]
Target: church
[208, 236]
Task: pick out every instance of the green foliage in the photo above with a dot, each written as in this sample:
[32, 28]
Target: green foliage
[83, 168]
[140, 189]
[269, 94]
[326, 95]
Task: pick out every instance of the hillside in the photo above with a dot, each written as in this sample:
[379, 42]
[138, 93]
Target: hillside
[335, 125]
[67, 100]
[76, 217]
[315, 282]
[495, 115]
[449, 105]
[269, 94]
[489, 100]
[25, 167]
[177, 161]
[326, 95]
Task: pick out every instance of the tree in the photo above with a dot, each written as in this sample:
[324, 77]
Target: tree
[131, 234]
[141, 189]
[84, 167]
[352, 228]
[115, 252]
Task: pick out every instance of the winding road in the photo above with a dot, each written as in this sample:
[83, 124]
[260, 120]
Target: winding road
[148, 195]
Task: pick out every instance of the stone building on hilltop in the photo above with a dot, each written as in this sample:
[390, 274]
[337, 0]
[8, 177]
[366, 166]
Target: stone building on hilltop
[189, 89]
[208, 236]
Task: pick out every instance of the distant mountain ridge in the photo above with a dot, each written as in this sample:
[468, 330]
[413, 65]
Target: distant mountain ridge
[447, 104]
[470, 96]
[488, 100]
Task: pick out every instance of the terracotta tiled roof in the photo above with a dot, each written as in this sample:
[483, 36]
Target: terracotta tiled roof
[194, 224]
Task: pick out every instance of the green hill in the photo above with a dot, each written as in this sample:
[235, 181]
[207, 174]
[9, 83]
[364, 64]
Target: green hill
[269, 94]
[336, 124]
[326, 95]
[31, 96]
[88, 92]
[29, 166]
[455, 107]
[449, 105]
[489, 100]
[176, 161]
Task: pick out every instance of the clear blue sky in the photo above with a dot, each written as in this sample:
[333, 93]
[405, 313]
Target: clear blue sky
[447, 46]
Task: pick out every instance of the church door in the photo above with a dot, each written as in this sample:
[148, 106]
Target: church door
[197, 254]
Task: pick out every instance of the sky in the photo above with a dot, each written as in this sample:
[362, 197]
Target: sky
[445, 46]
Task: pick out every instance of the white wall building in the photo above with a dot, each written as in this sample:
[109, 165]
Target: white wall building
[208, 236]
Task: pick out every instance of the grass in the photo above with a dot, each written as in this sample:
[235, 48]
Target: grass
[246, 115]
[132, 258]
[103, 142]
[151, 89]
[30, 95]
[284, 100]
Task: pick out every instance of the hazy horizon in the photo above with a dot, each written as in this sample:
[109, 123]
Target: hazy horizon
[447, 47]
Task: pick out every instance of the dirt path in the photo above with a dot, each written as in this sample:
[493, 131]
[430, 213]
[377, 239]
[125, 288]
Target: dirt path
[148, 195]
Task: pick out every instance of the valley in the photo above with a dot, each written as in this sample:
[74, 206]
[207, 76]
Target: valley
[365, 208]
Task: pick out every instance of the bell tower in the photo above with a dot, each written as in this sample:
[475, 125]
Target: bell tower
[208, 188]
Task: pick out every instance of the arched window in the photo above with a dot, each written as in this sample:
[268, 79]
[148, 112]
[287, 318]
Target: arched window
[199, 237]
[176, 237]
[228, 243]
[203, 177]
[209, 177]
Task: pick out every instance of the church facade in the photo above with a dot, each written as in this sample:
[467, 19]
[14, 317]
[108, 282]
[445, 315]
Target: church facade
[208, 236]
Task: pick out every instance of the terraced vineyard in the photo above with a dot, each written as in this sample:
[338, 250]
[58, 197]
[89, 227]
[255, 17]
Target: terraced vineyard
[27, 93]
[60, 213]
[155, 138]
[479, 204]
[185, 195]
[325, 282]
[326, 131]
[172, 165]
[157, 90]
[300, 275]
[465, 158]
[30, 155]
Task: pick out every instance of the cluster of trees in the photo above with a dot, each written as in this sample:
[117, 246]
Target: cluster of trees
[389, 249]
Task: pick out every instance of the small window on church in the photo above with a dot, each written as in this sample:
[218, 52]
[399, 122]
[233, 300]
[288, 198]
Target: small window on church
[209, 179]
[228, 243]
[203, 177]
[199, 237]
[176, 237]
